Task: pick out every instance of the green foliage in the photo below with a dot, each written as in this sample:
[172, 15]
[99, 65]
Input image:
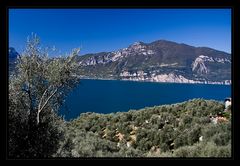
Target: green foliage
[203, 150]
[194, 134]
[181, 139]
[90, 145]
[187, 151]
[36, 91]
[129, 152]
[212, 150]
[163, 131]
[227, 114]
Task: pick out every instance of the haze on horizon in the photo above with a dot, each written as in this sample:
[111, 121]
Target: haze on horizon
[98, 30]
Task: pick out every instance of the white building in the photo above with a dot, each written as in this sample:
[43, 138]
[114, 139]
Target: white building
[228, 102]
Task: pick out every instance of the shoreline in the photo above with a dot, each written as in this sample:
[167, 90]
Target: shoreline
[112, 79]
[142, 108]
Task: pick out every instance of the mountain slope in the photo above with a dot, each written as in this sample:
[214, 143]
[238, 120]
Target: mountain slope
[160, 61]
[185, 129]
[12, 58]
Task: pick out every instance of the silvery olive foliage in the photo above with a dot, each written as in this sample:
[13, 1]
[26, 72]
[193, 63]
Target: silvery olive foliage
[37, 89]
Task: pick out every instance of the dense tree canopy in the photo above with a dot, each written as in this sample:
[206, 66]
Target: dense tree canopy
[36, 91]
[178, 130]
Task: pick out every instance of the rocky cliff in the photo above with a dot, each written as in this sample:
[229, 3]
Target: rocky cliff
[159, 61]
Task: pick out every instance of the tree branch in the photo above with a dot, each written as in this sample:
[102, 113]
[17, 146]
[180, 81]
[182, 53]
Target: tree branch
[40, 102]
[39, 110]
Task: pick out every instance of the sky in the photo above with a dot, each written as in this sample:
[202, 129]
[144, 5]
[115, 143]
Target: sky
[103, 30]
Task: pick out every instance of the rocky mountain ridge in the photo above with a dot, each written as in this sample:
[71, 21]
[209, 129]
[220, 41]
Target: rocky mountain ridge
[159, 61]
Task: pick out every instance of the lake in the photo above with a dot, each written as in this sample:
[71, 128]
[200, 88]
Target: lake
[106, 96]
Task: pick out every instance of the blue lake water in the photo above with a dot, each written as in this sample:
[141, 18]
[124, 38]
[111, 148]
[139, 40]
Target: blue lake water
[106, 96]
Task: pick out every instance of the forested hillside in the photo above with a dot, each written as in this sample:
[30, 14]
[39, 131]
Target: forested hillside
[181, 130]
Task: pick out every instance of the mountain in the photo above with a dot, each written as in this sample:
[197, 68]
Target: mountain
[12, 58]
[159, 61]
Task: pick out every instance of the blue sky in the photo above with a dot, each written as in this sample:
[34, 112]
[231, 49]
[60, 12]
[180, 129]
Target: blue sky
[97, 30]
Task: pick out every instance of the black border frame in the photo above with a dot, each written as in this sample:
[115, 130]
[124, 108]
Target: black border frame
[131, 4]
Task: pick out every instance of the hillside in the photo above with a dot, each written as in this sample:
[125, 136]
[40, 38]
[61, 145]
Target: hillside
[12, 58]
[185, 129]
[159, 61]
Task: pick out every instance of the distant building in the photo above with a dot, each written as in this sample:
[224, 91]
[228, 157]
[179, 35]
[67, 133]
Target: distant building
[228, 102]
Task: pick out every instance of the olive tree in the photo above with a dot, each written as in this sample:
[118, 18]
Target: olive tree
[36, 91]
